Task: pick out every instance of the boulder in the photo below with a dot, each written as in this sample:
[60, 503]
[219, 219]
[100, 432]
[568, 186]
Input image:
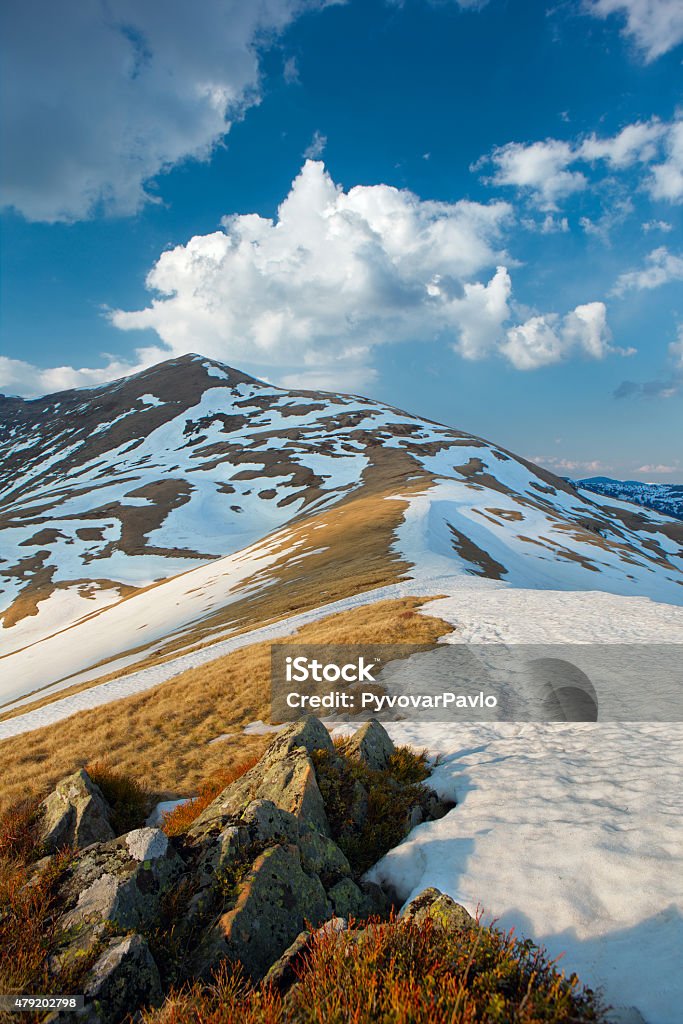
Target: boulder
[118, 885]
[372, 744]
[266, 821]
[288, 781]
[75, 814]
[283, 973]
[321, 856]
[440, 908]
[276, 900]
[308, 732]
[125, 976]
[348, 900]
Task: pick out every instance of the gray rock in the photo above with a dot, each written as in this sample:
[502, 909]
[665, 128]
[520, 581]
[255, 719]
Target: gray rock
[440, 908]
[335, 925]
[124, 977]
[321, 856]
[218, 855]
[372, 744]
[379, 901]
[75, 814]
[436, 808]
[348, 900]
[415, 817]
[147, 843]
[107, 888]
[308, 732]
[265, 821]
[275, 901]
[283, 974]
[218, 852]
[288, 781]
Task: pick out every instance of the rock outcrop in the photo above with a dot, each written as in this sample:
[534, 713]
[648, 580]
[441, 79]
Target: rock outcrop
[441, 909]
[372, 744]
[75, 814]
[256, 874]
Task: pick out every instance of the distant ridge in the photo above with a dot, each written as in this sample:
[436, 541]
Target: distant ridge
[664, 498]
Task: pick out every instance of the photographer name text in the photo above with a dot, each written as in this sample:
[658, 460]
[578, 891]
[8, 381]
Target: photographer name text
[342, 699]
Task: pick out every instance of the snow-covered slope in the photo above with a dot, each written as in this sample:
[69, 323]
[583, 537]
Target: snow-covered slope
[570, 833]
[134, 511]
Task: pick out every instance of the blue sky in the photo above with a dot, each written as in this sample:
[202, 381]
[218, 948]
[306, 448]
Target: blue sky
[471, 211]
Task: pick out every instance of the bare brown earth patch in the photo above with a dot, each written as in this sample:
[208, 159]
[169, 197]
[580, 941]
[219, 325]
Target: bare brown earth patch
[482, 563]
[163, 736]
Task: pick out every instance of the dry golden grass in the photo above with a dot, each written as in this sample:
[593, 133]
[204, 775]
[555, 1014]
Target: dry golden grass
[357, 539]
[162, 736]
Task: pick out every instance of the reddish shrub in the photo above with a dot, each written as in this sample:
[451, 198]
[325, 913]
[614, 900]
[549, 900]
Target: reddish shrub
[177, 821]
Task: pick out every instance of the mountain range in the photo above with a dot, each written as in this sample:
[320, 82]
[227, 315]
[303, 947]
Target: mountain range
[664, 498]
[165, 511]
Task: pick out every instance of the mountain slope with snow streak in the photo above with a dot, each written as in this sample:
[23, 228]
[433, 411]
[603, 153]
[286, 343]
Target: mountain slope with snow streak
[168, 508]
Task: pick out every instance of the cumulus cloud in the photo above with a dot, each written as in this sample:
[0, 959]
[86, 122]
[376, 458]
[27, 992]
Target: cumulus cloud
[549, 171]
[636, 143]
[20, 378]
[656, 26]
[544, 340]
[666, 181]
[539, 168]
[308, 297]
[99, 99]
[336, 274]
[661, 267]
[339, 273]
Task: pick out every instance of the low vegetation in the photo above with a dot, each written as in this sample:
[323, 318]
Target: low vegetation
[129, 799]
[397, 973]
[365, 828]
[28, 909]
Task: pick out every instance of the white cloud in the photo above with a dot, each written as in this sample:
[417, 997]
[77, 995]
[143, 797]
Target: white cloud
[290, 71]
[667, 177]
[656, 26]
[335, 275]
[562, 465]
[548, 226]
[659, 468]
[20, 378]
[539, 168]
[657, 225]
[99, 99]
[550, 171]
[636, 143]
[308, 297]
[661, 267]
[316, 147]
[547, 339]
